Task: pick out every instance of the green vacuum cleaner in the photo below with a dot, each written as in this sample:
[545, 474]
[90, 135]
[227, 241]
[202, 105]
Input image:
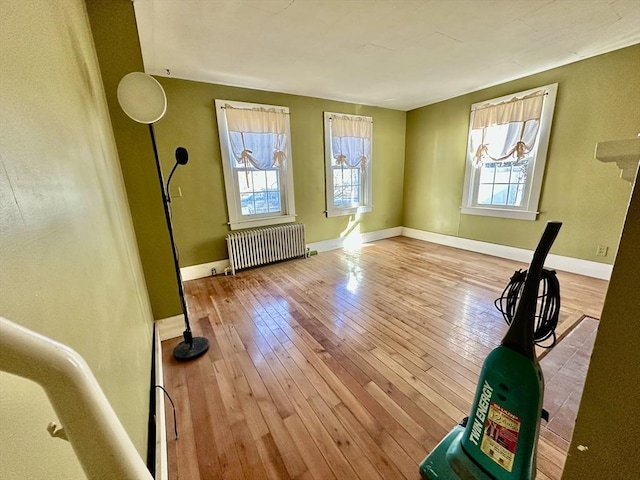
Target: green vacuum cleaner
[498, 440]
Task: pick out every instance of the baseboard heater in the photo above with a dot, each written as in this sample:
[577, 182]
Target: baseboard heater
[260, 246]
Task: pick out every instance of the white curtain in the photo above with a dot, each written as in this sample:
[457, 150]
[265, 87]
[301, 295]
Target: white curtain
[506, 131]
[351, 140]
[258, 136]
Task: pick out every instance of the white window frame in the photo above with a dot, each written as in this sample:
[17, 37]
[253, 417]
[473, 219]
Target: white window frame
[535, 168]
[365, 205]
[238, 220]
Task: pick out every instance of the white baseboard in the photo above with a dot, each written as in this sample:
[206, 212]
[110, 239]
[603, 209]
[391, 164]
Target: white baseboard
[558, 262]
[173, 326]
[203, 270]
[170, 327]
[162, 463]
[335, 243]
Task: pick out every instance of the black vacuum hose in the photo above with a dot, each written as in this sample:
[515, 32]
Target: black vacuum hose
[548, 308]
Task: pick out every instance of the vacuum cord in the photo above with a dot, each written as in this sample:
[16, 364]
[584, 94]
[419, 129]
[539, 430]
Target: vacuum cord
[547, 310]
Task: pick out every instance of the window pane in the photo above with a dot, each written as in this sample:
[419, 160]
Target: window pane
[484, 194]
[345, 196]
[499, 194]
[260, 202]
[520, 171]
[348, 194]
[487, 171]
[511, 197]
[502, 183]
[245, 181]
[259, 180]
[273, 182]
[355, 194]
[337, 197]
[520, 194]
[274, 202]
[355, 176]
[246, 202]
[347, 186]
[503, 172]
[259, 191]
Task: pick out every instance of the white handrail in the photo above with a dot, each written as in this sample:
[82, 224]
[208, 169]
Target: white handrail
[99, 440]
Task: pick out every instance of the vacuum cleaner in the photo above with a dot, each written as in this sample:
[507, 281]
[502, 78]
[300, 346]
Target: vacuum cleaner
[498, 440]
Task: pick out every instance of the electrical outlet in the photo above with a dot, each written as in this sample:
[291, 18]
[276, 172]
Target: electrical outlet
[602, 251]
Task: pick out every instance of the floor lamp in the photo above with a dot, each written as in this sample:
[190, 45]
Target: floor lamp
[143, 99]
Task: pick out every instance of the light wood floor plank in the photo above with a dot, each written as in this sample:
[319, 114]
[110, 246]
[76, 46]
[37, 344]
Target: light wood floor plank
[347, 365]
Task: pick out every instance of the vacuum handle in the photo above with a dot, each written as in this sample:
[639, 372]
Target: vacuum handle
[544, 245]
[520, 336]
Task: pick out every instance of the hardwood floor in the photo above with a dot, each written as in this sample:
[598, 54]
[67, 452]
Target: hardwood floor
[345, 365]
[565, 369]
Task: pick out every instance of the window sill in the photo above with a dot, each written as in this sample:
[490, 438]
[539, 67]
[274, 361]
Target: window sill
[500, 212]
[341, 212]
[262, 222]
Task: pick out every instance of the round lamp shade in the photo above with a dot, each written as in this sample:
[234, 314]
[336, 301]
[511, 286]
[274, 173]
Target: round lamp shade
[142, 97]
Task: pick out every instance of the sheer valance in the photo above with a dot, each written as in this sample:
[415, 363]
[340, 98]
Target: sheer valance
[507, 130]
[351, 126]
[258, 136]
[351, 140]
[256, 120]
[515, 110]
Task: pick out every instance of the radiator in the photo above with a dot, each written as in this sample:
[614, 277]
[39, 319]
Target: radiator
[249, 248]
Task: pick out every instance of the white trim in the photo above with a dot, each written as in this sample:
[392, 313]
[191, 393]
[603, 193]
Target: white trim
[559, 262]
[625, 153]
[535, 173]
[367, 184]
[170, 327]
[262, 222]
[203, 270]
[341, 212]
[237, 220]
[86, 416]
[162, 463]
[500, 212]
[336, 243]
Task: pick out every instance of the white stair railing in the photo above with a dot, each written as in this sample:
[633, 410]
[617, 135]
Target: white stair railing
[99, 440]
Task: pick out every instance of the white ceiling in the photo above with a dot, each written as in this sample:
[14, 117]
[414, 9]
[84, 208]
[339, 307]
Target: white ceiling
[399, 54]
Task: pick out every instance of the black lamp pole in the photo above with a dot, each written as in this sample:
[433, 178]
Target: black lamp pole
[191, 347]
[142, 99]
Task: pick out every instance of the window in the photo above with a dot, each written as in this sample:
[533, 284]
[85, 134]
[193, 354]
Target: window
[256, 159]
[348, 147]
[507, 150]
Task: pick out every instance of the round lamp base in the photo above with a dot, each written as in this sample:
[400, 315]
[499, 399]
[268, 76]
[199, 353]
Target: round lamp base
[184, 352]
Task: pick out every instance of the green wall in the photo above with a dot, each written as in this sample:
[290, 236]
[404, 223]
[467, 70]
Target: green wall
[607, 422]
[71, 270]
[116, 41]
[200, 214]
[597, 100]
[69, 266]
